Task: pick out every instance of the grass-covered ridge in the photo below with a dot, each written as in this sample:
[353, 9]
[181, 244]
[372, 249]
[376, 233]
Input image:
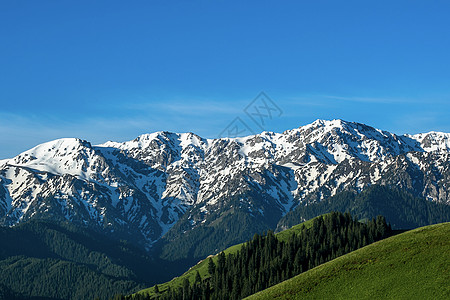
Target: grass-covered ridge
[268, 259]
[411, 265]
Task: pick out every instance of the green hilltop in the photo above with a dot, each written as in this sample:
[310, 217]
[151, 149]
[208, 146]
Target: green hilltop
[411, 265]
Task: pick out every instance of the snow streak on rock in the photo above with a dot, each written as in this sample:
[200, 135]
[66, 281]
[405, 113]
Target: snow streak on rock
[143, 187]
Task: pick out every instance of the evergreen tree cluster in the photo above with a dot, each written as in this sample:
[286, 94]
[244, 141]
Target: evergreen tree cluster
[231, 226]
[401, 209]
[47, 260]
[266, 260]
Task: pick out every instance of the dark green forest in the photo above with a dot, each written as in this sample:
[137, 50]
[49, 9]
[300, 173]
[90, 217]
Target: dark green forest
[265, 260]
[232, 227]
[400, 208]
[37, 256]
[44, 260]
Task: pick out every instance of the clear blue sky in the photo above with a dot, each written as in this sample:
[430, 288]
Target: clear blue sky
[112, 70]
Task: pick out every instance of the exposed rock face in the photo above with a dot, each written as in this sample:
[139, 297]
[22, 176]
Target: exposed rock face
[140, 189]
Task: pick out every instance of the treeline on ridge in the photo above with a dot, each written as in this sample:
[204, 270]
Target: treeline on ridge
[266, 260]
[400, 208]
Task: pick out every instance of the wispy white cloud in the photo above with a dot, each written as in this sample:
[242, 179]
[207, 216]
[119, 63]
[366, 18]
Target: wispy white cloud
[324, 100]
[20, 132]
[420, 122]
[380, 100]
[198, 108]
[387, 99]
[186, 107]
[207, 118]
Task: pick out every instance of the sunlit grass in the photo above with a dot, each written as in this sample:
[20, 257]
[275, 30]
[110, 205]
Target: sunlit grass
[411, 265]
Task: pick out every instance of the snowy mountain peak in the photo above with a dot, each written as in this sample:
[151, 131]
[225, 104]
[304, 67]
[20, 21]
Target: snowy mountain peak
[147, 184]
[59, 157]
[51, 150]
[433, 141]
[335, 123]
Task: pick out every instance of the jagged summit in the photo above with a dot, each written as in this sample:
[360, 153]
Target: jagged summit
[150, 184]
[433, 141]
[310, 133]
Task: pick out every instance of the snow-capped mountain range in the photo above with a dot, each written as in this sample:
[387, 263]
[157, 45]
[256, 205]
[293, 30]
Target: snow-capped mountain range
[142, 188]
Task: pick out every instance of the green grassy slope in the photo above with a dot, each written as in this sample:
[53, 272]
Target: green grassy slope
[411, 265]
[202, 266]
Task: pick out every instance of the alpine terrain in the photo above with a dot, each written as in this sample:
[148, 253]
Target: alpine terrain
[187, 196]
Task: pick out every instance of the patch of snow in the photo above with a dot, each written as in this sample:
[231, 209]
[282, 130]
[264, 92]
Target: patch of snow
[433, 141]
[293, 166]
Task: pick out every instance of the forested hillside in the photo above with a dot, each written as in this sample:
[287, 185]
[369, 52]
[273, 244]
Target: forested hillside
[267, 260]
[410, 265]
[401, 209]
[40, 260]
[37, 255]
[182, 197]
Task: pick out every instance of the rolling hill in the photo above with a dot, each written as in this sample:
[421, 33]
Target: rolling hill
[411, 265]
[268, 259]
[179, 197]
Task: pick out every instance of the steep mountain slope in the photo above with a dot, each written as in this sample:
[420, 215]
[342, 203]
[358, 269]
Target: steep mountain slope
[45, 260]
[411, 265]
[178, 189]
[401, 209]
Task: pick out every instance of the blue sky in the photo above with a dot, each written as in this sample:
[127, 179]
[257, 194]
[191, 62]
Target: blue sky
[112, 70]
